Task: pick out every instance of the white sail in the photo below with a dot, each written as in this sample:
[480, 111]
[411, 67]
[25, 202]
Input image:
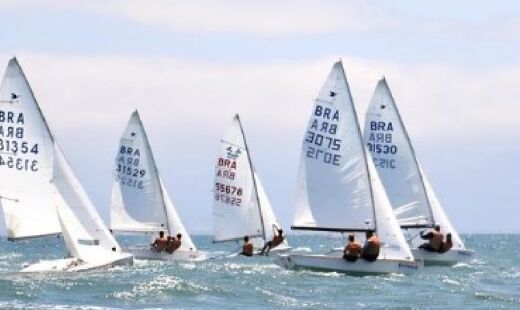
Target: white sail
[137, 199]
[175, 224]
[394, 157]
[334, 192]
[394, 244]
[86, 236]
[440, 217]
[236, 211]
[26, 160]
[271, 223]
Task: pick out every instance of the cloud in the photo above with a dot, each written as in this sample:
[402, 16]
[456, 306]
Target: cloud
[266, 18]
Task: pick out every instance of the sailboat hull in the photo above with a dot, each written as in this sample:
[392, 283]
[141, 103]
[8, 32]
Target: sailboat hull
[450, 258]
[338, 264]
[144, 252]
[73, 265]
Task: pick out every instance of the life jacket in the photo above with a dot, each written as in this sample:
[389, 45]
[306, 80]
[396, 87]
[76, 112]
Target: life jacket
[436, 240]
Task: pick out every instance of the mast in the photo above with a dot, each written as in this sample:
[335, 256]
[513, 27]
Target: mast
[416, 162]
[156, 171]
[252, 175]
[360, 136]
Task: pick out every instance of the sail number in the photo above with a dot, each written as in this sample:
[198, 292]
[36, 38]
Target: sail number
[22, 164]
[128, 168]
[14, 146]
[225, 193]
[12, 143]
[377, 148]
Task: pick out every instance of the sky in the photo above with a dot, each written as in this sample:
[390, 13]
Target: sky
[189, 66]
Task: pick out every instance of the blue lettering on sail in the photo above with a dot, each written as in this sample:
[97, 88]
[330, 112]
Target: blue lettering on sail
[16, 152]
[320, 140]
[380, 144]
[129, 172]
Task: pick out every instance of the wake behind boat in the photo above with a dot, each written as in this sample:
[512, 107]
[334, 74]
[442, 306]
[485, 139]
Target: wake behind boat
[43, 196]
[339, 189]
[140, 202]
[415, 204]
[240, 206]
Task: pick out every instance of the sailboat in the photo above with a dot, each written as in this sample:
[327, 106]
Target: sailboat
[240, 206]
[415, 204]
[140, 203]
[339, 189]
[40, 195]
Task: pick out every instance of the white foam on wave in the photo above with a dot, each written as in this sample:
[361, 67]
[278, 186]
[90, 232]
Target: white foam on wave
[283, 300]
[160, 286]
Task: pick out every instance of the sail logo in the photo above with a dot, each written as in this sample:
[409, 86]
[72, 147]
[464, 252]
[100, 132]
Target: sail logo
[233, 154]
[12, 98]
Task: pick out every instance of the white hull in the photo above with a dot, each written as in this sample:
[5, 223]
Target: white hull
[179, 255]
[338, 264]
[73, 265]
[278, 250]
[449, 258]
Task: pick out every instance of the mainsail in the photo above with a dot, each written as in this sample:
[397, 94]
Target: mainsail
[26, 160]
[140, 202]
[334, 192]
[394, 157]
[85, 235]
[236, 209]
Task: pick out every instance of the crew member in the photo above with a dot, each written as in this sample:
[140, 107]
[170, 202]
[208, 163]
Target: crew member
[247, 248]
[352, 249]
[276, 241]
[371, 248]
[160, 243]
[434, 239]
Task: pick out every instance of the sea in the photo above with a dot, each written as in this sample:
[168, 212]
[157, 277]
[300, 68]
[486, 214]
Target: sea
[490, 281]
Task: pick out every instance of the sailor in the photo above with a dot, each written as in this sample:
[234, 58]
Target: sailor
[160, 243]
[247, 248]
[446, 246]
[434, 239]
[371, 248]
[352, 249]
[276, 241]
[173, 243]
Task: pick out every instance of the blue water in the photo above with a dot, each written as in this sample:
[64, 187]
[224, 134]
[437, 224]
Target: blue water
[491, 280]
